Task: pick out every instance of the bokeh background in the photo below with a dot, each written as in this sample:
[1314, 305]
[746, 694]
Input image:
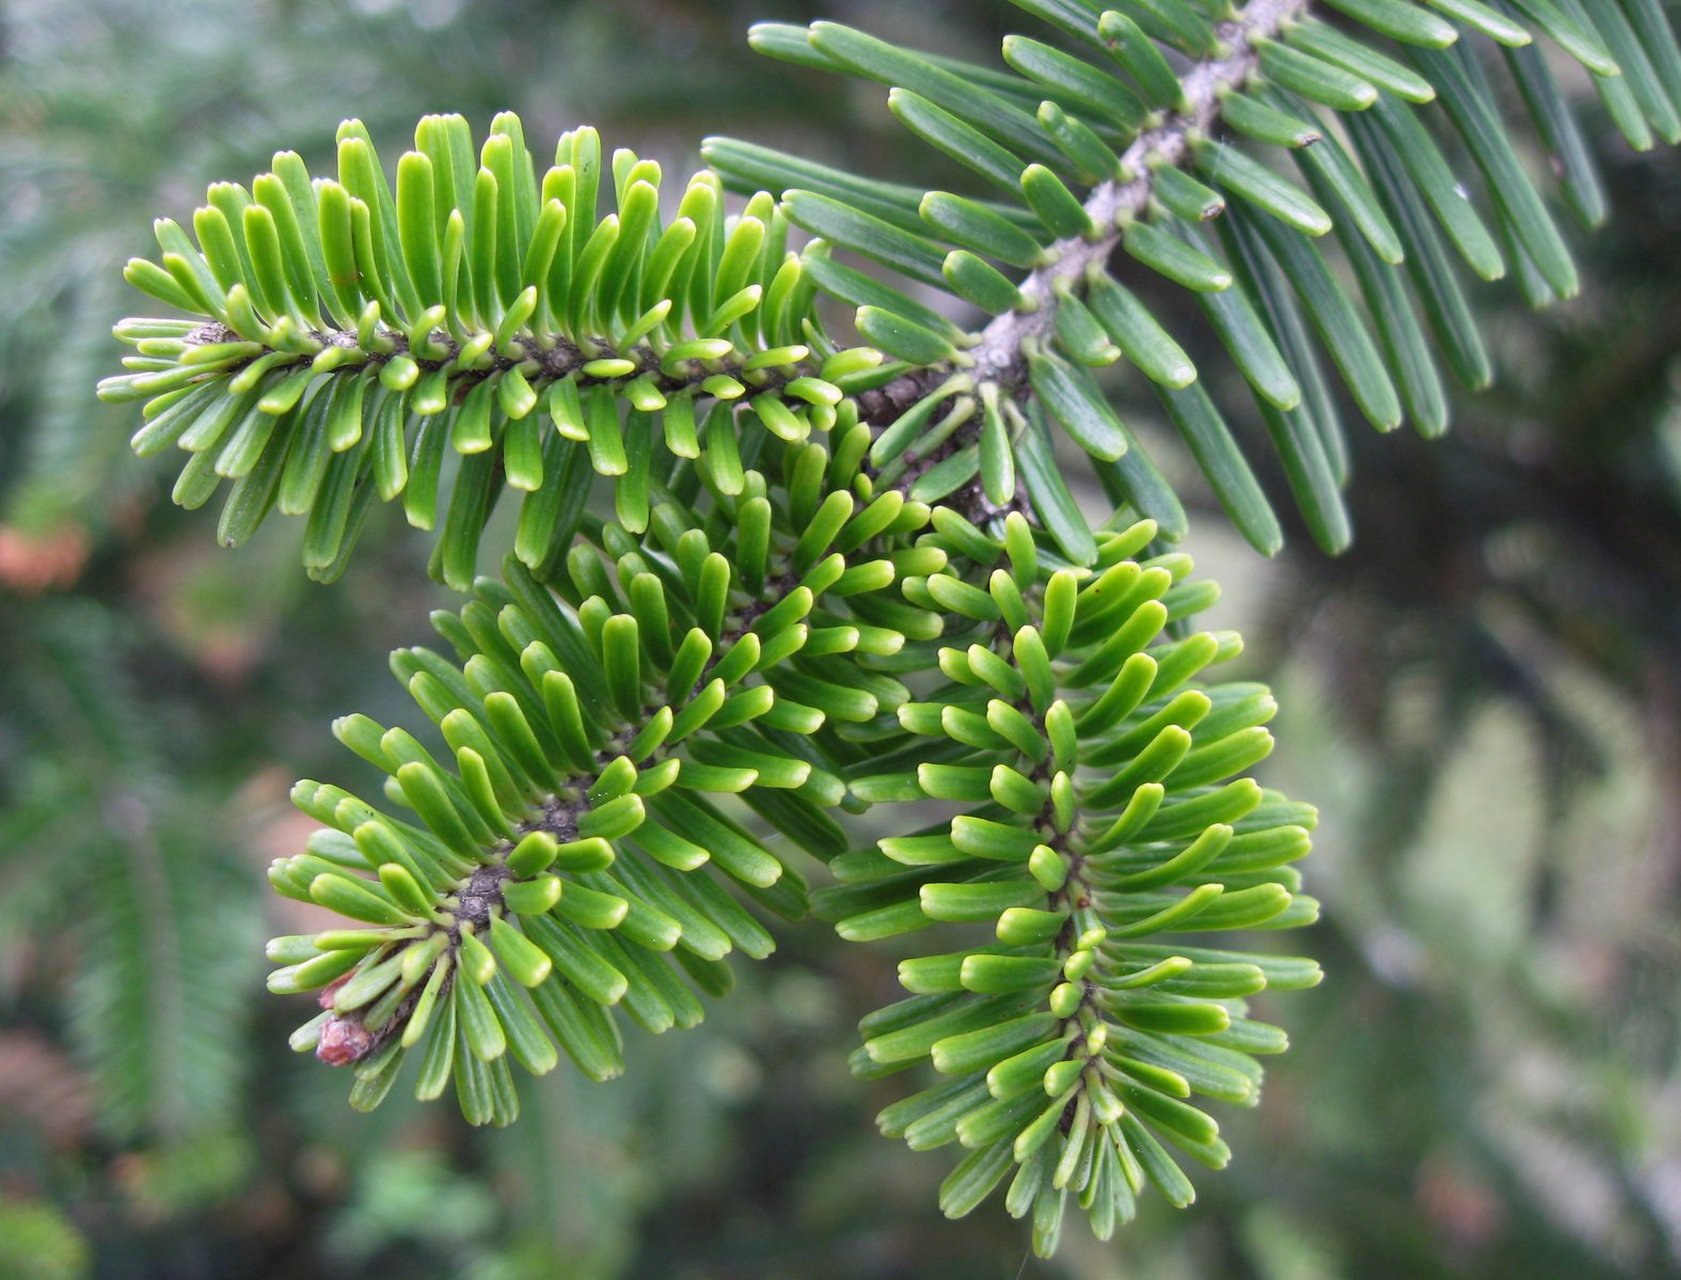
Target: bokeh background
[1484, 696]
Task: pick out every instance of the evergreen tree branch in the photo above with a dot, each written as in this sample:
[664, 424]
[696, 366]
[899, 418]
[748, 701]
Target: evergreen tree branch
[587, 363]
[1068, 1040]
[1000, 353]
[595, 737]
[825, 592]
[1141, 145]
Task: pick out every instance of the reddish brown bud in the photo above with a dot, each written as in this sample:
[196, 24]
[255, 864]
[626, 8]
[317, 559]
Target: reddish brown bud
[343, 1041]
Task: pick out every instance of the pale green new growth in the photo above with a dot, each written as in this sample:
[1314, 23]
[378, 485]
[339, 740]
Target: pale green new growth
[840, 576]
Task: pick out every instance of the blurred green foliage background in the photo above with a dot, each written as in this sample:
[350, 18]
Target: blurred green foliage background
[1484, 696]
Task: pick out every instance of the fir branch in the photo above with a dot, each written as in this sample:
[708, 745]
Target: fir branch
[542, 359]
[740, 626]
[609, 777]
[1000, 354]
